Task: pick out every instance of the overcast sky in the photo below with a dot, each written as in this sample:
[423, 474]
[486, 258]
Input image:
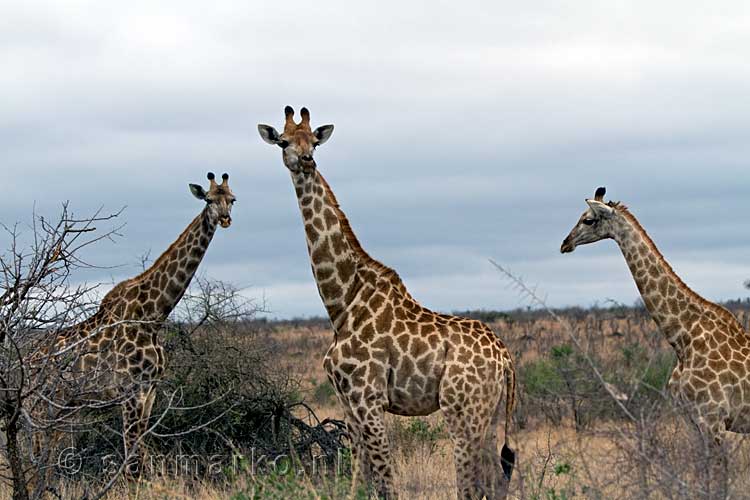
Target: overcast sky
[464, 131]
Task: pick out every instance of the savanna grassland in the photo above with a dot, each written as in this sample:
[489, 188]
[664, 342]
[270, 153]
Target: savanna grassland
[593, 419]
[573, 438]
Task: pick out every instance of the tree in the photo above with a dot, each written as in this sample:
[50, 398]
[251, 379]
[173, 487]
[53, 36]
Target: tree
[39, 397]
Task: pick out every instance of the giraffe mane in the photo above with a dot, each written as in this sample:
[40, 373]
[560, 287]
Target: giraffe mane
[159, 260]
[353, 241]
[718, 309]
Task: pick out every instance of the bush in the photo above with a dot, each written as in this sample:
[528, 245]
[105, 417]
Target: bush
[220, 400]
[657, 372]
[418, 435]
[564, 385]
[323, 393]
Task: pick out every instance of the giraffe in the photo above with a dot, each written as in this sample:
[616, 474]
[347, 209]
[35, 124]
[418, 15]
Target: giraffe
[389, 353]
[119, 345]
[712, 374]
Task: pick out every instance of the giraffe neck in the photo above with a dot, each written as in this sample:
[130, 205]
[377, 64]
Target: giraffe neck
[162, 285]
[672, 304]
[339, 263]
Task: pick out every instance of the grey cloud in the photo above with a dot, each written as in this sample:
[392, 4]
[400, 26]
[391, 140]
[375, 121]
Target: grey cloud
[462, 133]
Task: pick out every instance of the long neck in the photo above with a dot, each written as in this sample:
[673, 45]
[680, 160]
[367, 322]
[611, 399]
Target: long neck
[675, 308]
[339, 263]
[166, 280]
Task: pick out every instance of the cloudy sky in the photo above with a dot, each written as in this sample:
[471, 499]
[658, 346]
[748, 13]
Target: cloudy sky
[464, 131]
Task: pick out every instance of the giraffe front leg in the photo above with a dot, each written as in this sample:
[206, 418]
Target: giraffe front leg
[361, 474]
[136, 411]
[710, 421]
[373, 447]
[714, 433]
[361, 471]
[710, 455]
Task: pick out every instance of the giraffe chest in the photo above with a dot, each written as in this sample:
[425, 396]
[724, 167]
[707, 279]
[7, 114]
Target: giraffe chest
[716, 385]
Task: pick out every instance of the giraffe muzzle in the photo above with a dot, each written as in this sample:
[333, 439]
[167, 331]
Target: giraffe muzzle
[307, 163]
[567, 246]
[225, 222]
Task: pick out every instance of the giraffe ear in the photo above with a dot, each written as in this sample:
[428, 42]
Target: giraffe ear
[197, 191]
[322, 133]
[269, 134]
[600, 209]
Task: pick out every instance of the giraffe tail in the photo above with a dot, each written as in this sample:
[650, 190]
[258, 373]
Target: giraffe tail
[507, 455]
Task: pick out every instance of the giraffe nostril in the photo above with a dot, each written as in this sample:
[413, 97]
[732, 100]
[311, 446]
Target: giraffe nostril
[566, 246]
[306, 158]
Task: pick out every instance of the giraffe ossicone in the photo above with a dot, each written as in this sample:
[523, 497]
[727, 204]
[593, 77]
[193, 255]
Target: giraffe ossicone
[391, 354]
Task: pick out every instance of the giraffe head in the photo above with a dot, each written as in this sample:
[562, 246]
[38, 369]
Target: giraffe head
[596, 223]
[219, 198]
[298, 141]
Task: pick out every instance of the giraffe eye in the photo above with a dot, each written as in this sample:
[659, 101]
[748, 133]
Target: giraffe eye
[588, 222]
[283, 144]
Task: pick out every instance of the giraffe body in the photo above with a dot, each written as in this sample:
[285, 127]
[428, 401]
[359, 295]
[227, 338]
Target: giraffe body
[119, 348]
[389, 353]
[713, 350]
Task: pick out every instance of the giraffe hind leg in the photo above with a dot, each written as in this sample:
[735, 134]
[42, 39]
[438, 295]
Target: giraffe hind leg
[500, 465]
[474, 453]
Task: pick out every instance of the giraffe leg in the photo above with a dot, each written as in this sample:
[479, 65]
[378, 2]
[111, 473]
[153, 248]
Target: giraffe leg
[149, 405]
[361, 471]
[496, 481]
[712, 458]
[358, 451]
[374, 449]
[715, 433]
[466, 459]
[468, 418]
[361, 475]
[136, 411]
[474, 451]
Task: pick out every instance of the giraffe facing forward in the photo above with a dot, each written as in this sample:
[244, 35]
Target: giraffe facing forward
[713, 350]
[390, 354]
[120, 346]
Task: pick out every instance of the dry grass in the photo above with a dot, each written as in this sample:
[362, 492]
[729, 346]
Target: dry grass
[554, 461]
[423, 475]
[300, 350]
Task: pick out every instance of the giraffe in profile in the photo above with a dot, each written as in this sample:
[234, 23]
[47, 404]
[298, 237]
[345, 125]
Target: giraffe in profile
[712, 374]
[391, 354]
[119, 344]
